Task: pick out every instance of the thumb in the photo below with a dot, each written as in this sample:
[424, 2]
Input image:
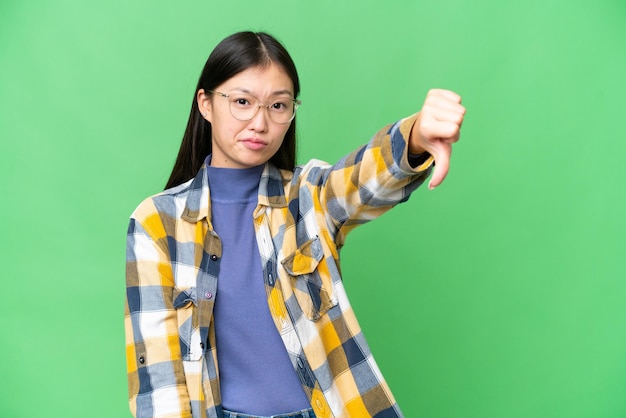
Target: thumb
[442, 164]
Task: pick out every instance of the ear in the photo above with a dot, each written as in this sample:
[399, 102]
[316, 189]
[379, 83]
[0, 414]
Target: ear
[205, 105]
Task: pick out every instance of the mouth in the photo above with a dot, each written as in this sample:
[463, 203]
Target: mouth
[253, 143]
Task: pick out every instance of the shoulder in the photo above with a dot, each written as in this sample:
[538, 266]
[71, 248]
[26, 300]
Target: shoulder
[310, 172]
[165, 202]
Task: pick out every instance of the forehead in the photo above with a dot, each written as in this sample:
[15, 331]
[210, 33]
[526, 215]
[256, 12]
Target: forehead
[265, 81]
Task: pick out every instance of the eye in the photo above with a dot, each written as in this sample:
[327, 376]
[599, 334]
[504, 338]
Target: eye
[242, 101]
[280, 107]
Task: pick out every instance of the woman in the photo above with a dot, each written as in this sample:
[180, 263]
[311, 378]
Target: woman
[235, 304]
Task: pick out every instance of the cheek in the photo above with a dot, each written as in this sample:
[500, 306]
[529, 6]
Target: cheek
[226, 128]
[278, 142]
[283, 133]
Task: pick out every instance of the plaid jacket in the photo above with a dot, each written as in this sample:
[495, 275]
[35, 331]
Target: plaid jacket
[301, 221]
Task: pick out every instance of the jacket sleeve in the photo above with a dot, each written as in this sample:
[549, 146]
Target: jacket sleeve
[370, 180]
[156, 379]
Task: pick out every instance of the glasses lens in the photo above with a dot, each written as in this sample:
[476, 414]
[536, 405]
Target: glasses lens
[282, 110]
[244, 107]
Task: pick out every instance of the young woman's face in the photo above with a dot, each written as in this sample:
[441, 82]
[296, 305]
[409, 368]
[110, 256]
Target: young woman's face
[244, 144]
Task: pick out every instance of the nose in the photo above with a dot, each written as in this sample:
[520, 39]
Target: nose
[259, 120]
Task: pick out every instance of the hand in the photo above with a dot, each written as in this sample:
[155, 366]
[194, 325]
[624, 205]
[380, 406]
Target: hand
[436, 129]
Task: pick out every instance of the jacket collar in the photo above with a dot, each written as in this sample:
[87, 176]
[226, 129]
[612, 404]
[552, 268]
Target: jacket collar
[271, 192]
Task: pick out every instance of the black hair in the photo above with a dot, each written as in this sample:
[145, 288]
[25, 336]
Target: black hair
[236, 53]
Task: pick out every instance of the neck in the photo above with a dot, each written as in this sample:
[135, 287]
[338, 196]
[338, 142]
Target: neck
[234, 184]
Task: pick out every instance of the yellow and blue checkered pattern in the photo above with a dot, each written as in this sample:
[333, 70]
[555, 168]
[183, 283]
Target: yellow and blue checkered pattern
[301, 221]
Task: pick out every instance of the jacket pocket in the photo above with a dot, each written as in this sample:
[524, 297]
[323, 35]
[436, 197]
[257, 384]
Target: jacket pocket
[185, 302]
[311, 285]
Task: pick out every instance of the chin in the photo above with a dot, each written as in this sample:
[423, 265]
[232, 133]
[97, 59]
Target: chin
[256, 160]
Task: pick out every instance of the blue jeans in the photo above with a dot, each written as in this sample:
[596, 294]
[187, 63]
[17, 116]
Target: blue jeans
[305, 413]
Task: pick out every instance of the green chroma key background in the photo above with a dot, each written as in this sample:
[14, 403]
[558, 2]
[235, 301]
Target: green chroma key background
[500, 294]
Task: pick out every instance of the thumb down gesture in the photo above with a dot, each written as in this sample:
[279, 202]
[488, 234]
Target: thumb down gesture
[436, 129]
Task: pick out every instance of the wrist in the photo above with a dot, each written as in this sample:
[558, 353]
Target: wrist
[414, 138]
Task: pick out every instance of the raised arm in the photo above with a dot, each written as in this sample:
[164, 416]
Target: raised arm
[377, 176]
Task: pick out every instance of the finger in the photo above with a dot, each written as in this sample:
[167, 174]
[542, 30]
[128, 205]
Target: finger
[443, 114]
[442, 165]
[452, 140]
[432, 129]
[438, 101]
[445, 93]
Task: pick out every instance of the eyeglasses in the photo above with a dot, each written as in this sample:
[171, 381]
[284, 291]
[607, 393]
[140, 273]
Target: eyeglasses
[244, 107]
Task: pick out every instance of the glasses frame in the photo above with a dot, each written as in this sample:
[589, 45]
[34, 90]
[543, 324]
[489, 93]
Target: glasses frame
[296, 104]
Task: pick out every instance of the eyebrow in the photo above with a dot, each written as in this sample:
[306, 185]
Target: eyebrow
[274, 93]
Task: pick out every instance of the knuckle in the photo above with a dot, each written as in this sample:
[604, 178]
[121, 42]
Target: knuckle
[426, 129]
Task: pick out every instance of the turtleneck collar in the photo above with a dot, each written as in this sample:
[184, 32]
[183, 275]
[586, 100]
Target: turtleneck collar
[234, 185]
